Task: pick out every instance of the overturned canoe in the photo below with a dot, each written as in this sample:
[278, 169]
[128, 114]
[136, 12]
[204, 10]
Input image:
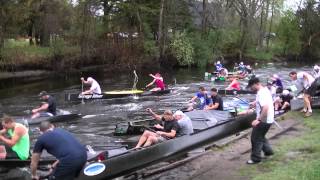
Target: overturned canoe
[114, 94]
[135, 159]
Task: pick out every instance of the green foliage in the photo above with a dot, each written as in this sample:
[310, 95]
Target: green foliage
[57, 47]
[289, 34]
[259, 55]
[182, 49]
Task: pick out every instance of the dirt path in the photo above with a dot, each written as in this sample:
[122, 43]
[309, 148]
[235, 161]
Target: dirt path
[225, 163]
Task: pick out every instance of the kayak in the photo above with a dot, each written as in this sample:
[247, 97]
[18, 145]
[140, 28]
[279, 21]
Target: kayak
[52, 119]
[113, 94]
[209, 127]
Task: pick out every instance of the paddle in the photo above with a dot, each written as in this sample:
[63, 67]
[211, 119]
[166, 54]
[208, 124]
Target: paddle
[82, 101]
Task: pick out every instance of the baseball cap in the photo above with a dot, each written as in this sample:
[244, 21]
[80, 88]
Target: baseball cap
[285, 92]
[43, 93]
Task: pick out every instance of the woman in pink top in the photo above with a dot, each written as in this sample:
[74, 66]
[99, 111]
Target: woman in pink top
[234, 85]
[159, 82]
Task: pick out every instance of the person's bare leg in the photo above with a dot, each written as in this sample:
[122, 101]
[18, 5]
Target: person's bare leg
[151, 140]
[35, 115]
[285, 105]
[143, 138]
[307, 101]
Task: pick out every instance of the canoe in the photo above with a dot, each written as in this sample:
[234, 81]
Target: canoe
[113, 94]
[135, 159]
[91, 156]
[53, 119]
[234, 92]
[297, 103]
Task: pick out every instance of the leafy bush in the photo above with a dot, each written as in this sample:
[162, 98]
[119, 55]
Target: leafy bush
[182, 48]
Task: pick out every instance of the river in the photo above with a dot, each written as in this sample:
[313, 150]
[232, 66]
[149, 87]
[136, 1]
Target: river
[18, 97]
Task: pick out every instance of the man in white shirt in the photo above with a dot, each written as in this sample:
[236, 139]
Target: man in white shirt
[95, 87]
[316, 71]
[309, 89]
[263, 121]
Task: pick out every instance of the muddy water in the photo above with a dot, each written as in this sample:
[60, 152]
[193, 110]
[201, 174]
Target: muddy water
[18, 97]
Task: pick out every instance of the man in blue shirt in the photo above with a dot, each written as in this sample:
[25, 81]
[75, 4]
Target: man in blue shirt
[71, 155]
[202, 95]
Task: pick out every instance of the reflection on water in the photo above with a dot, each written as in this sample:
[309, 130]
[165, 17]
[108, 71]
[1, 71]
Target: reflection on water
[18, 99]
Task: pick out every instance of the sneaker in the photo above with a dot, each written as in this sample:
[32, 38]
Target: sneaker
[303, 111]
[267, 156]
[252, 162]
[307, 114]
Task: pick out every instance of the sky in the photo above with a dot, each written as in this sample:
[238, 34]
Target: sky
[292, 4]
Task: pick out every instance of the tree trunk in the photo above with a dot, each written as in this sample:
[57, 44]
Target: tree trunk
[204, 17]
[160, 31]
[270, 26]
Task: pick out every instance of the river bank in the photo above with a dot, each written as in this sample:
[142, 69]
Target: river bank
[296, 156]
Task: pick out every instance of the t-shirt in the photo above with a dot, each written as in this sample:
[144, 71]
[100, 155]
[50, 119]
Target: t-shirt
[204, 100]
[286, 98]
[170, 125]
[95, 87]
[306, 84]
[264, 98]
[160, 84]
[185, 125]
[61, 144]
[52, 105]
[278, 83]
[217, 99]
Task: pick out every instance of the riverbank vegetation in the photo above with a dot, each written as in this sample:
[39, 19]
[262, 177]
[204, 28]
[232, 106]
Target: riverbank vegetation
[296, 158]
[64, 34]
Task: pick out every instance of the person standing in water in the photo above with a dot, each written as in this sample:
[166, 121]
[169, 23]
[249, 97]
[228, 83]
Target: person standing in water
[95, 87]
[158, 79]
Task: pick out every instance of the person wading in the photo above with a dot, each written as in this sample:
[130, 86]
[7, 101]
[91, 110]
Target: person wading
[17, 146]
[71, 155]
[262, 123]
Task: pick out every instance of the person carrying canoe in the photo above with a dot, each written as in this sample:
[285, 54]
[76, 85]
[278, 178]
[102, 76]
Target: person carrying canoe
[234, 85]
[94, 86]
[309, 85]
[184, 122]
[217, 102]
[71, 155]
[283, 101]
[17, 146]
[202, 95]
[262, 123]
[276, 81]
[47, 109]
[158, 79]
[167, 131]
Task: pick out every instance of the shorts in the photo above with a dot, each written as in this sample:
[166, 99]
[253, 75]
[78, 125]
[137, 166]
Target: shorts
[45, 114]
[10, 153]
[312, 90]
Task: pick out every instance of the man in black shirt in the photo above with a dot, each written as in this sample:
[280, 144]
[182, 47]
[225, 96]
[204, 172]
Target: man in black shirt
[217, 103]
[167, 131]
[47, 109]
[283, 101]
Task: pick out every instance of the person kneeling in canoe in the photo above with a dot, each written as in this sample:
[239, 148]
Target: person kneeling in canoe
[167, 131]
[202, 95]
[94, 88]
[217, 102]
[234, 85]
[71, 155]
[160, 86]
[47, 109]
[17, 146]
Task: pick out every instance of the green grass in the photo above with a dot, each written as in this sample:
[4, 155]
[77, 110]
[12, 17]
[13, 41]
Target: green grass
[295, 158]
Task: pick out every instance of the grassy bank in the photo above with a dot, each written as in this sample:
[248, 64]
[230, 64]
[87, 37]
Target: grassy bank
[296, 158]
